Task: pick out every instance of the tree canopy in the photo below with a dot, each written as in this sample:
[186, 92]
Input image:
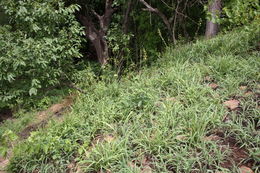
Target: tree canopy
[42, 40]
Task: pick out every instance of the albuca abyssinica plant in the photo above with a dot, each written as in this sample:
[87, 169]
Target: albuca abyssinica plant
[37, 47]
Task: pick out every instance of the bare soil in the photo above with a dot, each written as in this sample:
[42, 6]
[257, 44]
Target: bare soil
[55, 111]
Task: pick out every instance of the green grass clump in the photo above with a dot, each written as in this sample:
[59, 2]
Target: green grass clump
[157, 119]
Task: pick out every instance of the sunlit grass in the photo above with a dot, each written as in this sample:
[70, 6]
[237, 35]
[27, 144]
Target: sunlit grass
[158, 119]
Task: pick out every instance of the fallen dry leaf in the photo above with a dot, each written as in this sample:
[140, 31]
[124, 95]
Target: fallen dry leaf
[181, 137]
[145, 162]
[109, 138]
[3, 163]
[71, 165]
[212, 138]
[244, 169]
[171, 99]
[214, 86]
[131, 165]
[232, 104]
[207, 79]
[249, 93]
[147, 169]
[243, 87]
[227, 118]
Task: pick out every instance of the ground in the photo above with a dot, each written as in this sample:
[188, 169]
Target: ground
[196, 110]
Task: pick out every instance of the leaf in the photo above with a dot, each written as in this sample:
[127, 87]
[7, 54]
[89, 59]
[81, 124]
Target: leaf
[10, 77]
[212, 138]
[45, 149]
[3, 151]
[214, 86]
[232, 104]
[80, 150]
[244, 169]
[109, 138]
[147, 169]
[33, 91]
[36, 82]
[249, 93]
[181, 137]
[243, 87]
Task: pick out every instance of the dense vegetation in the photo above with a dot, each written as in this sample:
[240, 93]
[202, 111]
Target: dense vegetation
[149, 93]
[159, 118]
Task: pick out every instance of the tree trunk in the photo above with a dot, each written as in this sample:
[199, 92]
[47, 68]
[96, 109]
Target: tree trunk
[213, 28]
[97, 36]
[127, 16]
[101, 48]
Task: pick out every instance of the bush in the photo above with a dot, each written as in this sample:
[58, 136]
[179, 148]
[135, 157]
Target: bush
[241, 13]
[37, 47]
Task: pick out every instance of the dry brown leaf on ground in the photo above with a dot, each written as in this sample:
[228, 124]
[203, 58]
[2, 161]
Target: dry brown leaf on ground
[171, 99]
[147, 169]
[244, 169]
[3, 164]
[109, 138]
[213, 86]
[232, 104]
[131, 165]
[145, 162]
[243, 87]
[212, 138]
[181, 137]
[208, 79]
[248, 93]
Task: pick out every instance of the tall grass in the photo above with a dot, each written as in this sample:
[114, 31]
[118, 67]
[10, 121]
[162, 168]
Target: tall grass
[157, 119]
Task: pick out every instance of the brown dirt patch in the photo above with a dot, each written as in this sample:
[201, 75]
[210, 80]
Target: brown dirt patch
[144, 165]
[3, 164]
[55, 111]
[236, 155]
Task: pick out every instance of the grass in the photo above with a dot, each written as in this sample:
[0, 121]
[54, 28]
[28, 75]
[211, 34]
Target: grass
[159, 119]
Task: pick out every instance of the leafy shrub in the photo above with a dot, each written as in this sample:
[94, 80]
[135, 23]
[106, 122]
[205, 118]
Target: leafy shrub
[241, 12]
[37, 47]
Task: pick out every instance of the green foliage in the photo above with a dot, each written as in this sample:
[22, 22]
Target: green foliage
[119, 44]
[37, 47]
[242, 13]
[7, 138]
[158, 117]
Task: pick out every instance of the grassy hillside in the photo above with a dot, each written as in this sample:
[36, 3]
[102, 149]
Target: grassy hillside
[170, 117]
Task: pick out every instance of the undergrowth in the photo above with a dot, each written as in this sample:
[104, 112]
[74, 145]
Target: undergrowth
[159, 118]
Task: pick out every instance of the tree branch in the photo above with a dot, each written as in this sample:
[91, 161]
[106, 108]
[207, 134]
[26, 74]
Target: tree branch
[160, 14]
[90, 29]
[97, 15]
[106, 18]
